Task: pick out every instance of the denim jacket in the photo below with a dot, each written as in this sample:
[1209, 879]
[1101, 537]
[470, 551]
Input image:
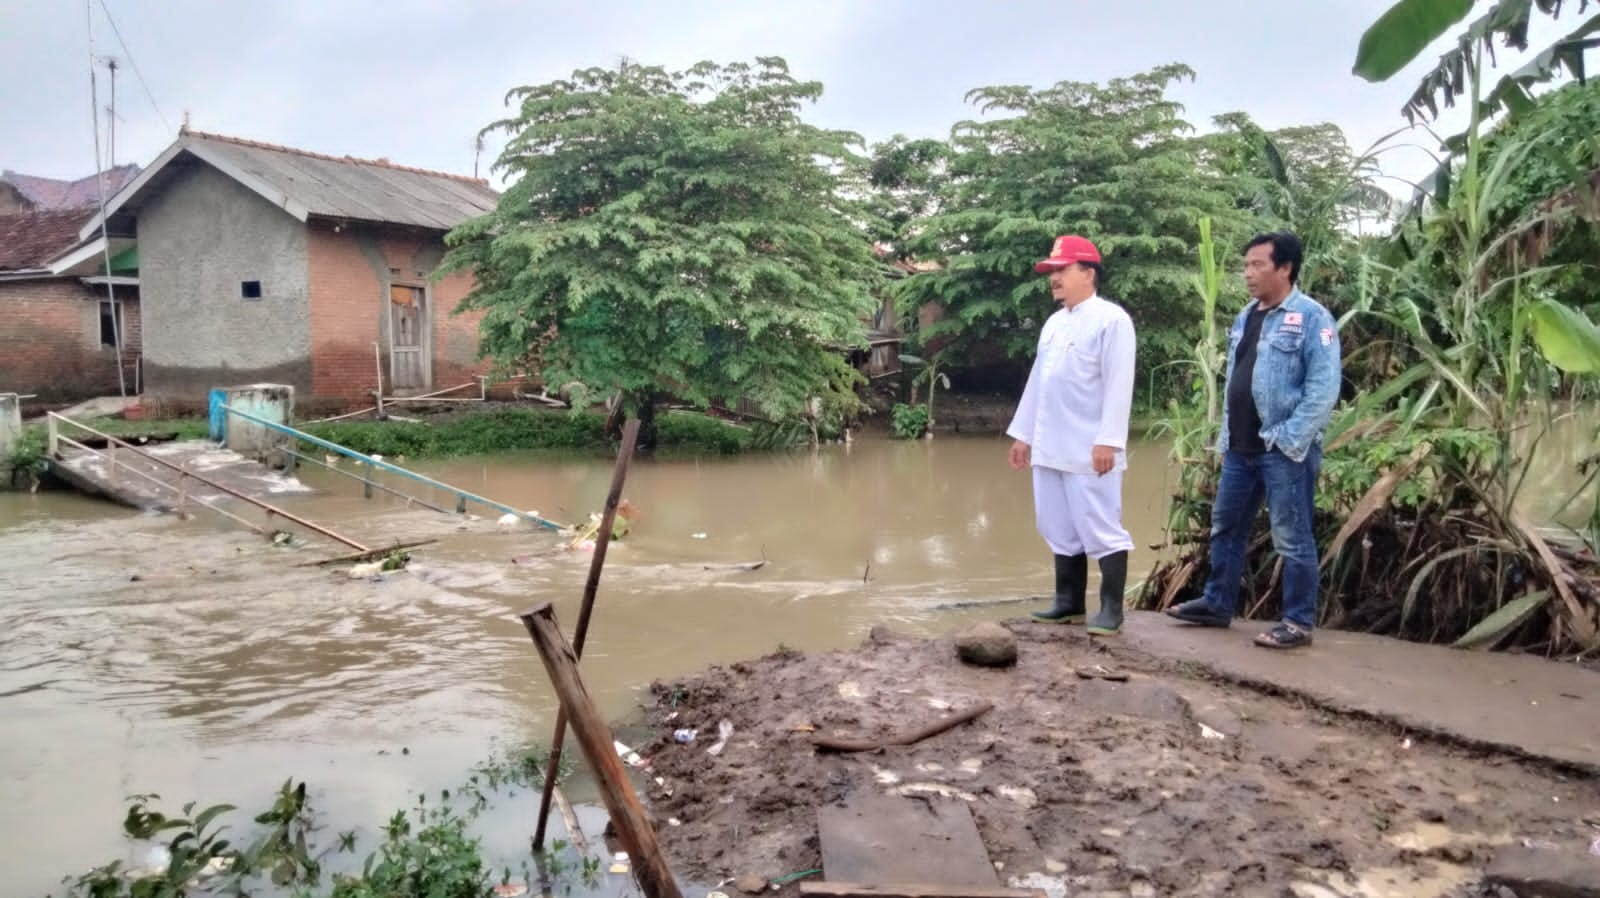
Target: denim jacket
[1297, 374]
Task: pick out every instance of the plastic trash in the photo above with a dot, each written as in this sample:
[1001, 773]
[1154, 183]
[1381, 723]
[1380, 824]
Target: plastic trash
[1208, 733]
[684, 736]
[697, 536]
[1594, 847]
[724, 732]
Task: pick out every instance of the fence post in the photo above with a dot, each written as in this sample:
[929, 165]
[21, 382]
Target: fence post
[55, 435]
[366, 481]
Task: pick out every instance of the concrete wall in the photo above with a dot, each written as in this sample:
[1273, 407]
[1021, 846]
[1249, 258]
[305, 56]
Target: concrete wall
[199, 238]
[50, 339]
[352, 268]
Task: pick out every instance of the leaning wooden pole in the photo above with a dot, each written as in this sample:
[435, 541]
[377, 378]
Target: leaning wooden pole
[627, 814]
[619, 474]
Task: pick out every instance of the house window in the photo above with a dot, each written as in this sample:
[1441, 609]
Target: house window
[108, 324]
[250, 289]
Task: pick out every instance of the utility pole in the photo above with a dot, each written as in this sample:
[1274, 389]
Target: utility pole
[111, 115]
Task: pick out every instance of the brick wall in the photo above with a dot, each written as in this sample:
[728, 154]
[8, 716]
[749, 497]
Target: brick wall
[50, 340]
[352, 268]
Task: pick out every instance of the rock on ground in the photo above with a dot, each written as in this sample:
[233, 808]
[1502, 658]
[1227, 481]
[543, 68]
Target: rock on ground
[987, 645]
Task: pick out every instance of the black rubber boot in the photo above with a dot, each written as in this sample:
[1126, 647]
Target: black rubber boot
[1072, 586]
[1113, 581]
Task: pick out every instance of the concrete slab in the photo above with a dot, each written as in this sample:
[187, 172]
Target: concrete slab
[1519, 704]
[139, 482]
[875, 838]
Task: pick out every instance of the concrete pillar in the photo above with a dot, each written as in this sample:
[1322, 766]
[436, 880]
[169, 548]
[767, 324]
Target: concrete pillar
[10, 433]
[269, 402]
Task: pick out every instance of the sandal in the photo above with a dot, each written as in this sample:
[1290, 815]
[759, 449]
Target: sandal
[1284, 636]
[1101, 672]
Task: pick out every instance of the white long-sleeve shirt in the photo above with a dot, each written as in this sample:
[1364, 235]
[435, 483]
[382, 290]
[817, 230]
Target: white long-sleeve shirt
[1080, 391]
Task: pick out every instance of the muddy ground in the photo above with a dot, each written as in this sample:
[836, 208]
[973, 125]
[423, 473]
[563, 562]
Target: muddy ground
[1164, 784]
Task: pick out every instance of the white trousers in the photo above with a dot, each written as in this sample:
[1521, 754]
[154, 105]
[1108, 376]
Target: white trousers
[1080, 514]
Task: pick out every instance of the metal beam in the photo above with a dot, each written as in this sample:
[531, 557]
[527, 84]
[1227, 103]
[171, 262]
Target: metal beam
[462, 496]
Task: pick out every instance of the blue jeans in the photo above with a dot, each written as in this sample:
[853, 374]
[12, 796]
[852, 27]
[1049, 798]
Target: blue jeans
[1290, 490]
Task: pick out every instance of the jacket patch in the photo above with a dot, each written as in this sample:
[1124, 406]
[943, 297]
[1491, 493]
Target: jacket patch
[1293, 318]
[1327, 336]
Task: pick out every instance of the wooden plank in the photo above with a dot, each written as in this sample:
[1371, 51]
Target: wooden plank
[627, 815]
[831, 889]
[876, 838]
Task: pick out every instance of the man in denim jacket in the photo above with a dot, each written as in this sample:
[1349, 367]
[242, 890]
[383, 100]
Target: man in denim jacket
[1282, 383]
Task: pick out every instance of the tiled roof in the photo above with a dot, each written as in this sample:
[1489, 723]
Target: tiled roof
[48, 194]
[31, 240]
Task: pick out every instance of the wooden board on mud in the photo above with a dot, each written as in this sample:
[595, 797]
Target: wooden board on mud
[875, 838]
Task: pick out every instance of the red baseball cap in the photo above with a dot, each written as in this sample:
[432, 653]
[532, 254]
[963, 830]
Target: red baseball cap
[1068, 249]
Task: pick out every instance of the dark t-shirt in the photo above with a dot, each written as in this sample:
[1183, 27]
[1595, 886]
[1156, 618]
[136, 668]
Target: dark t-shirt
[1244, 422]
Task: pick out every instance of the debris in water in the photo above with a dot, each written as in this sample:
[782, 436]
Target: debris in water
[1594, 847]
[684, 736]
[628, 755]
[1208, 733]
[1406, 744]
[511, 890]
[697, 536]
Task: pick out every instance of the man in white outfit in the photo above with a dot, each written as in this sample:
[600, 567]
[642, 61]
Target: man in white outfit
[1072, 428]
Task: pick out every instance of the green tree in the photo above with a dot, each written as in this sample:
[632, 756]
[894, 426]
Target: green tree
[674, 233]
[1113, 162]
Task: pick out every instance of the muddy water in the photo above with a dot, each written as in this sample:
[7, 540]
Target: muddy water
[150, 654]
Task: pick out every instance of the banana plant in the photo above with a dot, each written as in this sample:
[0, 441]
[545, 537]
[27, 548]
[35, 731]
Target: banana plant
[1410, 26]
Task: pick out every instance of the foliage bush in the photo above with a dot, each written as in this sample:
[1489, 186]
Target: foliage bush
[701, 433]
[908, 422]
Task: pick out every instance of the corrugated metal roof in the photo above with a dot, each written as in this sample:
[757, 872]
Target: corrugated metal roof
[346, 187]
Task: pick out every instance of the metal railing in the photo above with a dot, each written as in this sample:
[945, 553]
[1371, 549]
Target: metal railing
[115, 465]
[462, 497]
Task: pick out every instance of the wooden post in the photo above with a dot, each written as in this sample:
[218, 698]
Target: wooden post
[619, 473]
[366, 482]
[627, 815]
[183, 487]
[55, 436]
[377, 362]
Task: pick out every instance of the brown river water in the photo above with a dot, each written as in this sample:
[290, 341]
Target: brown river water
[144, 653]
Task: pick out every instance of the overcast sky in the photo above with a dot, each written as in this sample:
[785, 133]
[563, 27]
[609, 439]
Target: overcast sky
[414, 80]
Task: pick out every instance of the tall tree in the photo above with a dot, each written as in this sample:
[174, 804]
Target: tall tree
[1113, 162]
[673, 233]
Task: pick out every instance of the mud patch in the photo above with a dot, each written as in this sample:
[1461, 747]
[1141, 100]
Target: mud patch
[1157, 785]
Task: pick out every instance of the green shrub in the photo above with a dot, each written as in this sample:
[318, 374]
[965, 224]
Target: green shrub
[908, 422]
[685, 432]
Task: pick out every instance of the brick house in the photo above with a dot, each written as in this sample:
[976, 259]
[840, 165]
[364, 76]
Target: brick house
[263, 263]
[59, 326]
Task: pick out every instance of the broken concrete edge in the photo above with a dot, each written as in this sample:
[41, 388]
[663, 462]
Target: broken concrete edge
[1536, 871]
[1185, 667]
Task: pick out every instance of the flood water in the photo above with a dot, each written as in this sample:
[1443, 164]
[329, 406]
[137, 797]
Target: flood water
[144, 653]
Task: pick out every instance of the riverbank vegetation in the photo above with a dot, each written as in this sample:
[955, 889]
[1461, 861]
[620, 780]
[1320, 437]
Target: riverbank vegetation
[1468, 333]
[435, 847]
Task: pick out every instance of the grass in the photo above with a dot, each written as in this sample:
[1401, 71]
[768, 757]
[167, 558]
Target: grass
[499, 430]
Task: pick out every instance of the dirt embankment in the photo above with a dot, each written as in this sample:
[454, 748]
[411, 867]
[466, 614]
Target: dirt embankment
[1159, 785]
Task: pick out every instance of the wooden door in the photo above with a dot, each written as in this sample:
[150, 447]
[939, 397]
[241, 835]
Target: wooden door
[409, 367]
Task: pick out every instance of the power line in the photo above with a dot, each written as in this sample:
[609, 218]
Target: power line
[134, 64]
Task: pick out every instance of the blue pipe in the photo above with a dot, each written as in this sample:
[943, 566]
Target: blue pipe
[461, 494]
